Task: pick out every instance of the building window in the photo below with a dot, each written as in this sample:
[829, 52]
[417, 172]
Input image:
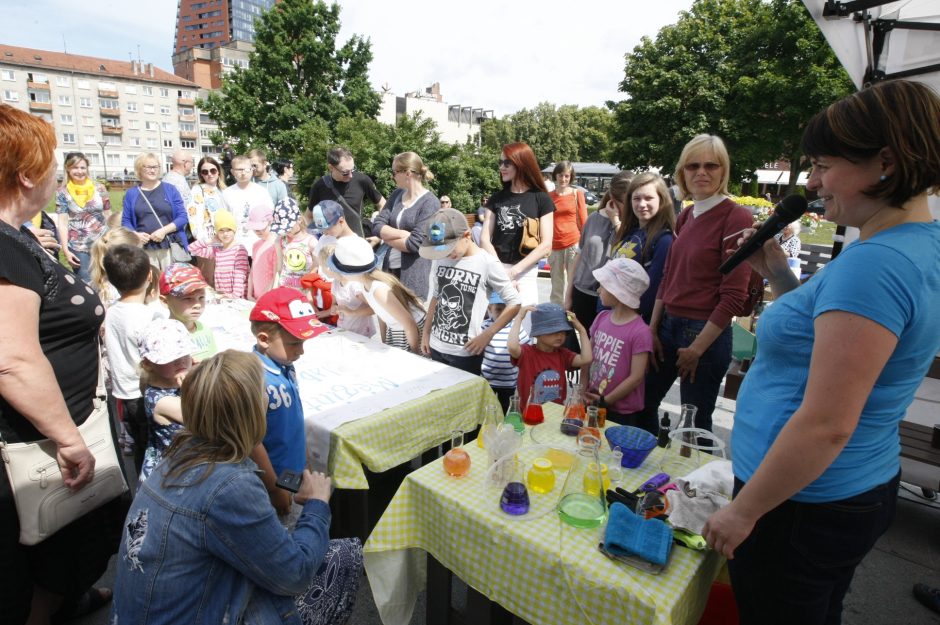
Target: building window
[90, 140]
[67, 120]
[187, 145]
[186, 95]
[114, 159]
[8, 74]
[186, 111]
[164, 110]
[41, 78]
[65, 100]
[112, 139]
[151, 125]
[109, 104]
[131, 107]
[167, 127]
[63, 81]
[130, 89]
[107, 86]
[134, 124]
[164, 93]
[111, 122]
[88, 120]
[146, 90]
[93, 157]
[11, 96]
[68, 138]
[85, 103]
[135, 142]
[151, 142]
[187, 127]
[45, 117]
[83, 84]
[40, 96]
[168, 143]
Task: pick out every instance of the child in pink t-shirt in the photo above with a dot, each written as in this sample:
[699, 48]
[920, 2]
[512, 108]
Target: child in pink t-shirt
[542, 366]
[622, 343]
[264, 252]
[230, 274]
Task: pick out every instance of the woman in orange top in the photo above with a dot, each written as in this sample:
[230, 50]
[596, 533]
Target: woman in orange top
[570, 215]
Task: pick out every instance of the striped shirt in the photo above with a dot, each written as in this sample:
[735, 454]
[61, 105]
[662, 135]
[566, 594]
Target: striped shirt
[231, 267]
[496, 368]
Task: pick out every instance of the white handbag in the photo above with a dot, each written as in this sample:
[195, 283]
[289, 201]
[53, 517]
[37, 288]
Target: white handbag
[44, 504]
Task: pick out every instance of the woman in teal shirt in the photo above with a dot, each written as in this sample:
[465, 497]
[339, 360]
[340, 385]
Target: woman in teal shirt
[815, 440]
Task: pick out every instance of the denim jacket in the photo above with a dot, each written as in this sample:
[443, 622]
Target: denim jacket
[214, 552]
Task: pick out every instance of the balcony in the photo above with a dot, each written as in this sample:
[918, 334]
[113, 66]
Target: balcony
[185, 102]
[107, 93]
[112, 130]
[188, 134]
[42, 86]
[40, 106]
[188, 118]
[110, 112]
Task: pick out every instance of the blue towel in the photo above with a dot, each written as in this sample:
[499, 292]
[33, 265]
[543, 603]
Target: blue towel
[631, 535]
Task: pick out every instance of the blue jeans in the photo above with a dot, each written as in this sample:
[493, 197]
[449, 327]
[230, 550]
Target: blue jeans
[797, 564]
[674, 333]
[84, 270]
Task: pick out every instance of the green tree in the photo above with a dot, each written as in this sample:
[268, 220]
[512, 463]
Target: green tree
[297, 80]
[750, 71]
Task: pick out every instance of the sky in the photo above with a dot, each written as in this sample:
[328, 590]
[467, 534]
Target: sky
[500, 55]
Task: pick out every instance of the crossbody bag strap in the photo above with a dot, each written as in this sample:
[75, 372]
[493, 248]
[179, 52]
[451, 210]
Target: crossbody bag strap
[150, 206]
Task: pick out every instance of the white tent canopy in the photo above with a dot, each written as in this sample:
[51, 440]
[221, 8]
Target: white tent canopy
[877, 40]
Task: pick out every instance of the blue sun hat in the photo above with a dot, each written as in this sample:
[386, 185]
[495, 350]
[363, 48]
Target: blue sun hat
[549, 318]
[325, 215]
[286, 215]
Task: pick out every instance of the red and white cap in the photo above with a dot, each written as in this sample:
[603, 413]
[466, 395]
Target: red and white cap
[290, 309]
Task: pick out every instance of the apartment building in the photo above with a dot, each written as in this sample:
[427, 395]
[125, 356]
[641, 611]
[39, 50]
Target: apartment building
[207, 24]
[111, 110]
[456, 123]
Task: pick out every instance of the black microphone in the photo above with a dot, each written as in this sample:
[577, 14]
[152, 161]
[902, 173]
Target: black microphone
[788, 210]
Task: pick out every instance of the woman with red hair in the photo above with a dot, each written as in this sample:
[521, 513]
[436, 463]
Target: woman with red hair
[523, 195]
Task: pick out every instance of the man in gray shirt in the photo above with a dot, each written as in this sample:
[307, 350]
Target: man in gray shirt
[181, 164]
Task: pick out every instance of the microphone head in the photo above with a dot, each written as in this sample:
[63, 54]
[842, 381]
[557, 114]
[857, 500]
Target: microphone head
[791, 208]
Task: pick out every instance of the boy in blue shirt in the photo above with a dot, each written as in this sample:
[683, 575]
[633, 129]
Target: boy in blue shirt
[281, 321]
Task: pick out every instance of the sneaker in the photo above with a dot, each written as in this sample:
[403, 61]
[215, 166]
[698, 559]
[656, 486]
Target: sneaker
[928, 596]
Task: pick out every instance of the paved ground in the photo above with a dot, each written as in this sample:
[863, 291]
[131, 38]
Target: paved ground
[881, 591]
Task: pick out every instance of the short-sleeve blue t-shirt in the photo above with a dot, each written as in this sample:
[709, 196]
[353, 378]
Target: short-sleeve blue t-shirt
[285, 441]
[892, 278]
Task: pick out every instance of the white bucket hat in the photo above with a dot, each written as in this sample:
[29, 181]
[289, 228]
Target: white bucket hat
[352, 256]
[625, 279]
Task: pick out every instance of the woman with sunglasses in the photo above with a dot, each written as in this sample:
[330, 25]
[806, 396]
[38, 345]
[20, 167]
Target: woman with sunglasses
[523, 195]
[206, 199]
[83, 207]
[691, 320]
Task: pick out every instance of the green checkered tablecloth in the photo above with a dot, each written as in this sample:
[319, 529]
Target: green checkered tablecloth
[540, 569]
[393, 436]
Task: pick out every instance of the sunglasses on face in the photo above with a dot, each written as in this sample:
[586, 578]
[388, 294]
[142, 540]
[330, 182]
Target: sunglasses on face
[505, 162]
[211, 171]
[344, 172]
[694, 167]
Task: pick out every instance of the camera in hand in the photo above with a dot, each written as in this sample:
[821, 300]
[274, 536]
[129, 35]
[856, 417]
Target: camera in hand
[290, 480]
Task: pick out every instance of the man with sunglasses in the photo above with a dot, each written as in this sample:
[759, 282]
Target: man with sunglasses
[347, 186]
[181, 165]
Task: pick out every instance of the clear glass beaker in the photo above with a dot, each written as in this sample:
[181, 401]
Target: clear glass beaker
[577, 507]
[456, 460]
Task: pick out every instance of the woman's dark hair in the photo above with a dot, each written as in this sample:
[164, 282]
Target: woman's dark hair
[281, 164]
[562, 168]
[527, 167]
[898, 115]
[220, 181]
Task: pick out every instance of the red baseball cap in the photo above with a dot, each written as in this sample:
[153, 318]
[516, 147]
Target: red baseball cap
[290, 309]
[181, 279]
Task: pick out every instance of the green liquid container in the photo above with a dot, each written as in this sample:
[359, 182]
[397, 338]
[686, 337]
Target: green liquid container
[582, 510]
[513, 416]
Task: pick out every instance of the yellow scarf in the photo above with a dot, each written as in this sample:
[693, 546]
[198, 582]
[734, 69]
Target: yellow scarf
[81, 193]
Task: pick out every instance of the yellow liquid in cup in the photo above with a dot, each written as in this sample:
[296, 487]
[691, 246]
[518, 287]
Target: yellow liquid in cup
[541, 476]
[590, 479]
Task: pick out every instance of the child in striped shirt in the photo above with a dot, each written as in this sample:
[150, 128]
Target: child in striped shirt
[230, 274]
[497, 368]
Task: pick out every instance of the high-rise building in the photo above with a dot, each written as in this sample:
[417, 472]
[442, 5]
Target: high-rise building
[207, 24]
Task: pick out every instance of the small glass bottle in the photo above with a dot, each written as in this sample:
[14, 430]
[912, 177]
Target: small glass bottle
[601, 411]
[664, 425]
[515, 497]
[590, 428]
[533, 411]
[490, 422]
[573, 416]
[687, 422]
[456, 460]
[514, 415]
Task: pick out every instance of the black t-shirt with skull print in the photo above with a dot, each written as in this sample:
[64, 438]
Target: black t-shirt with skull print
[510, 209]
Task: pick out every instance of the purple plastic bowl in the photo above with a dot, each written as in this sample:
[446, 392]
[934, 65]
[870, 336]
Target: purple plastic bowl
[636, 444]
